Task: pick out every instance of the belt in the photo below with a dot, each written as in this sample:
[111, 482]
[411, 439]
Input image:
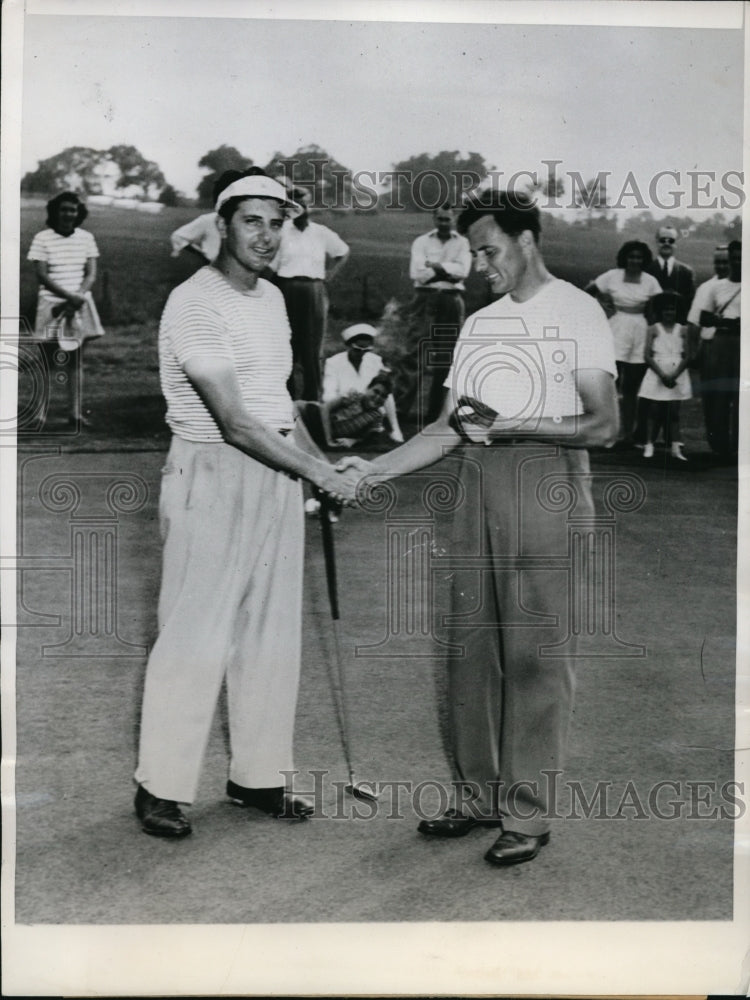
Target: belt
[299, 277]
[445, 291]
[631, 310]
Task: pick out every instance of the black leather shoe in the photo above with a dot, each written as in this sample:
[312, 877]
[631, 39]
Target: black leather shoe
[276, 802]
[454, 824]
[160, 817]
[512, 848]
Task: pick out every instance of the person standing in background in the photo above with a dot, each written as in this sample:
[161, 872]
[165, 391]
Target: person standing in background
[440, 261]
[309, 256]
[624, 292]
[667, 382]
[672, 275]
[717, 308]
[65, 257]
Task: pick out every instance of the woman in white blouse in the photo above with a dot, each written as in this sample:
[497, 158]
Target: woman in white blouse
[64, 258]
[624, 293]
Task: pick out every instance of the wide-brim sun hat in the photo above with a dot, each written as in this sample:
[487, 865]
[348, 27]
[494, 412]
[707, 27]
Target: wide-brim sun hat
[259, 186]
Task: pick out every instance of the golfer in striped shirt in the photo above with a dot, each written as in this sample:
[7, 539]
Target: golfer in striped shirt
[232, 524]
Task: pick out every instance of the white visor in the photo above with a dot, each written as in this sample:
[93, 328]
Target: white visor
[260, 187]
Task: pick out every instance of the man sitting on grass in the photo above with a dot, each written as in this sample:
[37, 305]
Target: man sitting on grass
[357, 392]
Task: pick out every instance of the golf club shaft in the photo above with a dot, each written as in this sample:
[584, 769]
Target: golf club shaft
[329, 556]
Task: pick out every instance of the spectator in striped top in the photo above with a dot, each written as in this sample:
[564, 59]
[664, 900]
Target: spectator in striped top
[230, 606]
[64, 256]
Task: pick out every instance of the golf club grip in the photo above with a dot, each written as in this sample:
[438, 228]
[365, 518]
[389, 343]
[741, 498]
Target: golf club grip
[329, 555]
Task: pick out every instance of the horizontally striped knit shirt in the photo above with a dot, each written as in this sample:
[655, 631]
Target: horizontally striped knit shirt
[206, 317]
[65, 257]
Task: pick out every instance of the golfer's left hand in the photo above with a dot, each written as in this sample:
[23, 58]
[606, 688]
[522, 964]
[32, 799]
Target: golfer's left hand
[473, 420]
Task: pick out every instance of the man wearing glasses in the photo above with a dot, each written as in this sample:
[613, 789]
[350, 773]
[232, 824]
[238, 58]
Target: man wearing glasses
[671, 274]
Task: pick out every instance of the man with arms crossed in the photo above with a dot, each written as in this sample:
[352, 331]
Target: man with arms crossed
[440, 260]
[510, 706]
[232, 525]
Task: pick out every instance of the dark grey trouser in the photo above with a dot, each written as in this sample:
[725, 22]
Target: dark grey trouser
[509, 706]
[435, 321]
[307, 307]
[720, 389]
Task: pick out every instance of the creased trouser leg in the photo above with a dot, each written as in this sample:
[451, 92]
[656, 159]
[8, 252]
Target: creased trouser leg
[510, 706]
[231, 528]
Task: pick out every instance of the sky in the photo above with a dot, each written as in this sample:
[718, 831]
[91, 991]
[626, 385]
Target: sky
[373, 93]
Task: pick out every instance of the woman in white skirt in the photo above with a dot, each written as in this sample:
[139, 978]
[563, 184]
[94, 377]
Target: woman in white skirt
[667, 380]
[624, 293]
[64, 257]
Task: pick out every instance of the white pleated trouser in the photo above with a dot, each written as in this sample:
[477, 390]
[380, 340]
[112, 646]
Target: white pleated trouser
[230, 606]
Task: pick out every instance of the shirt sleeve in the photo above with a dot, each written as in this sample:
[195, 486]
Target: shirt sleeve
[335, 246]
[91, 248]
[194, 328]
[700, 302]
[593, 336]
[38, 248]
[461, 265]
[193, 233]
[418, 270]
[330, 382]
[604, 282]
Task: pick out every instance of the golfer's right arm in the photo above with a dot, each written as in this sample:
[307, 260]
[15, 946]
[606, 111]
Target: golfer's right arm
[426, 448]
[216, 382]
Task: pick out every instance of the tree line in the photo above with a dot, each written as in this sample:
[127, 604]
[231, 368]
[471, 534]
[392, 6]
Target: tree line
[413, 184]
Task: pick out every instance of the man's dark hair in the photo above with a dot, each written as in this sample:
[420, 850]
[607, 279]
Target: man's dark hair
[735, 245]
[229, 207]
[53, 208]
[627, 248]
[513, 213]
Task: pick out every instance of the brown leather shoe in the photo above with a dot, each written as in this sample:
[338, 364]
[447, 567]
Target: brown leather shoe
[454, 823]
[511, 848]
[276, 802]
[160, 817]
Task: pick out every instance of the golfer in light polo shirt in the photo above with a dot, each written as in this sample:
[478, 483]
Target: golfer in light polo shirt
[232, 524]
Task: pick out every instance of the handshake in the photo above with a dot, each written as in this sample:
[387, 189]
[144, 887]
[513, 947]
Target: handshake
[341, 482]
[346, 482]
